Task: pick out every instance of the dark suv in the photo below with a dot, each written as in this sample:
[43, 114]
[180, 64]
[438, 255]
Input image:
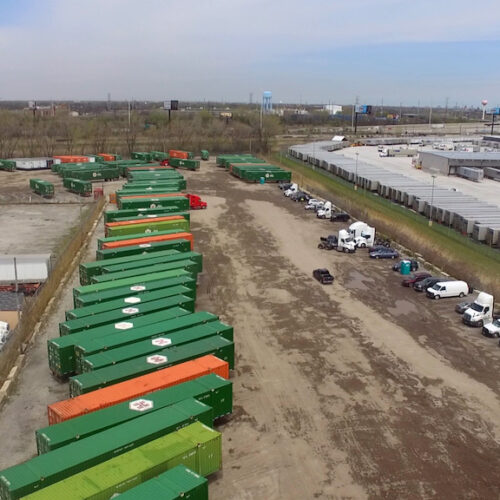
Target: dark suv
[323, 276]
[422, 286]
[340, 217]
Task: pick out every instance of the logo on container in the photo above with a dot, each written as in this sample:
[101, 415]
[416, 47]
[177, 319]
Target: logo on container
[161, 341]
[141, 405]
[130, 310]
[132, 300]
[156, 360]
[138, 288]
[144, 245]
[124, 325]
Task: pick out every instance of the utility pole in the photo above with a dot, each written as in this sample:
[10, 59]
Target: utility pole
[430, 116]
[432, 200]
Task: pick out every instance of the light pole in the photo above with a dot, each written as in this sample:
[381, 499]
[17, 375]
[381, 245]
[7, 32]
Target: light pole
[432, 200]
[356, 174]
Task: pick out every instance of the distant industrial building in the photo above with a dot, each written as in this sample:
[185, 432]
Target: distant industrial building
[332, 109]
[449, 162]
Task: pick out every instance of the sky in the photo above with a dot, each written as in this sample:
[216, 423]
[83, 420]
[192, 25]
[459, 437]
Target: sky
[319, 51]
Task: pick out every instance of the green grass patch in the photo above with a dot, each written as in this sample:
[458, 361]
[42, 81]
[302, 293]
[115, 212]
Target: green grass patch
[456, 254]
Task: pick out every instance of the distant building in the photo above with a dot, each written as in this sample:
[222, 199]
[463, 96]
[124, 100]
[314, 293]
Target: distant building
[332, 109]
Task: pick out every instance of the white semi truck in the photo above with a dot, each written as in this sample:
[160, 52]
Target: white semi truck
[480, 311]
[363, 234]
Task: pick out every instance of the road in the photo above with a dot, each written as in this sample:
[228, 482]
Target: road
[363, 389]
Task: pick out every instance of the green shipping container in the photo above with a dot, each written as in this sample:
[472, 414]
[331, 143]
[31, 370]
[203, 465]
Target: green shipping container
[199, 448]
[175, 484]
[137, 264]
[91, 346]
[211, 390]
[43, 188]
[112, 239]
[94, 268]
[83, 188]
[132, 282]
[131, 299]
[61, 351]
[130, 311]
[8, 165]
[141, 155]
[91, 381]
[97, 173]
[180, 202]
[153, 175]
[143, 248]
[159, 155]
[205, 155]
[148, 227]
[49, 468]
[89, 299]
[150, 183]
[189, 164]
[172, 187]
[153, 345]
[186, 264]
[114, 215]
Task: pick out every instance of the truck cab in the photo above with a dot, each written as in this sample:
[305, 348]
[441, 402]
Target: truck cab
[325, 212]
[363, 234]
[346, 242]
[480, 311]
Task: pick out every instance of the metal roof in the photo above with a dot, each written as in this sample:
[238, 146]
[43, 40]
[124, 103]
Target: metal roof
[460, 155]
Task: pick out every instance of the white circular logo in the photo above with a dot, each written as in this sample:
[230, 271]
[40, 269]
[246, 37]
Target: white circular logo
[124, 325]
[151, 216]
[132, 300]
[156, 360]
[149, 188]
[141, 405]
[130, 310]
[267, 175]
[94, 174]
[144, 245]
[152, 205]
[138, 288]
[148, 230]
[161, 341]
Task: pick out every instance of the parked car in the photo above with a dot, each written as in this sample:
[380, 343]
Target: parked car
[329, 243]
[323, 276]
[313, 204]
[461, 307]
[300, 196]
[492, 329]
[384, 253]
[284, 185]
[340, 217]
[444, 289]
[414, 279]
[413, 265]
[422, 286]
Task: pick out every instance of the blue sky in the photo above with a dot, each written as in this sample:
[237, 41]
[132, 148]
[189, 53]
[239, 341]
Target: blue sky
[320, 51]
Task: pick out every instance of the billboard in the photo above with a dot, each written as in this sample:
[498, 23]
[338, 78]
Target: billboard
[172, 105]
[363, 109]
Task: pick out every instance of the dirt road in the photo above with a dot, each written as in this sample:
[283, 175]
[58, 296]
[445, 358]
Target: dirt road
[364, 389]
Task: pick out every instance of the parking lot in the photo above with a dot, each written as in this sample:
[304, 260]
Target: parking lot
[361, 389]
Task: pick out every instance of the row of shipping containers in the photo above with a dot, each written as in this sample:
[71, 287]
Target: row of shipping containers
[148, 374]
[252, 169]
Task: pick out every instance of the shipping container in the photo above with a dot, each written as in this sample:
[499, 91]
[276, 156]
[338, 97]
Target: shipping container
[140, 155]
[150, 183]
[159, 155]
[127, 195]
[49, 468]
[73, 159]
[112, 215]
[109, 157]
[181, 244]
[110, 240]
[125, 241]
[97, 172]
[143, 217]
[143, 263]
[72, 326]
[183, 155]
[148, 226]
[61, 351]
[8, 165]
[101, 297]
[151, 346]
[212, 390]
[205, 155]
[174, 186]
[135, 388]
[92, 346]
[180, 202]
[131, 299]
[83, 188]
[132, 282]
[189, 164]
[43, 188]
[175, 484]
[186, 264]
[153, 175]
[91, 381]
[198, 447]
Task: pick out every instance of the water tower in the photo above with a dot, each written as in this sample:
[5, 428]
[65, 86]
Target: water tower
[484, 102]
[267, 101]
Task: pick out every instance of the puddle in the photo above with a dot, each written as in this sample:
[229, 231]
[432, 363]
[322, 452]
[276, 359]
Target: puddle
[402, 307]
[357, 281]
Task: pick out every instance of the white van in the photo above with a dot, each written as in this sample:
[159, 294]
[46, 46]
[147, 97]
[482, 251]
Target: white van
[444, 289]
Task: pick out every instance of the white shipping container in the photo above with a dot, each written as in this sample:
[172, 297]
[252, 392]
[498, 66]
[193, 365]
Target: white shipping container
[30, 268]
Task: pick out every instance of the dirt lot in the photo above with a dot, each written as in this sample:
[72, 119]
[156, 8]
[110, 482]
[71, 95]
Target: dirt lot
[34, 224]
[363, 389]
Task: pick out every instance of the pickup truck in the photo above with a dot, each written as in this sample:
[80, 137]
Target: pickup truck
[323, 276]
[329, 243]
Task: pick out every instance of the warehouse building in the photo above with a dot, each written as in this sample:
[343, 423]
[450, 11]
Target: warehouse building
[449, 162]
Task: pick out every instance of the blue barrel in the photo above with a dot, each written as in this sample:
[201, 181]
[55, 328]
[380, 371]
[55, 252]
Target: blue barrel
[405, 267]
[262, 180]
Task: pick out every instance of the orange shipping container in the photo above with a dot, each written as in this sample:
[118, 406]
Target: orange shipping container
[72, 159]
[136, 387]
[175, 153]
[144, 220]
[149, 239]
[106, 156]
[112, 198]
